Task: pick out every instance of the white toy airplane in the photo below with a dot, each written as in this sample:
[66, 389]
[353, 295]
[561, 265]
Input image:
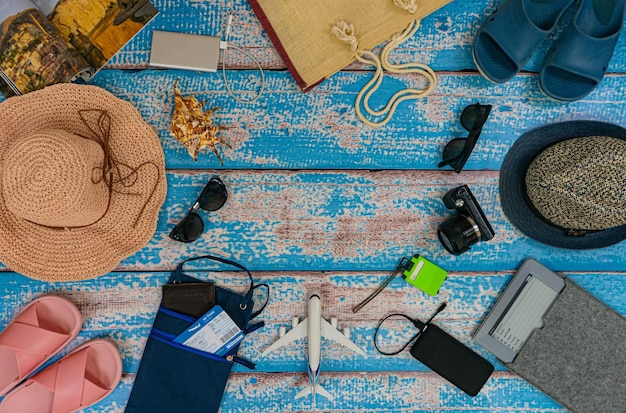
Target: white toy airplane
[315, 327]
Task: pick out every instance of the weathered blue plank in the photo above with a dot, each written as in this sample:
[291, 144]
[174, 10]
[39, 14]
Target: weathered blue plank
[121, 307]
[333, 220]
[355, 220]
[319, 130]
[288, 129]
[383, 393]
[372, 392]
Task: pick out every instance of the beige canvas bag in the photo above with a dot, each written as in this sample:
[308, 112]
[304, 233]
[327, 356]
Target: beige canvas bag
[317, 38]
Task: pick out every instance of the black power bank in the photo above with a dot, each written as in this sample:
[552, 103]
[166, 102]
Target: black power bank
[451, 359]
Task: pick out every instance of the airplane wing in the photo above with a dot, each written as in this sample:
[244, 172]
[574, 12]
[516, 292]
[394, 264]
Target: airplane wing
[332, 333]
[298, 332]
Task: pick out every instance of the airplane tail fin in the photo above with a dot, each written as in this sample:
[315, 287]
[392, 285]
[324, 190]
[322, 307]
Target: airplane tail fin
[322, 391]
[309, 389]
[304, 392]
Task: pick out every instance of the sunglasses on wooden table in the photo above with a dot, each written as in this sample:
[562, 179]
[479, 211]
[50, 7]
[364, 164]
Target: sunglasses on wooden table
[458, 150]
[212, 198]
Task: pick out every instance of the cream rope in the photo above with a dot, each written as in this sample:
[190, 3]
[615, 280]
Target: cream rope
[408, 5]
[413, 67]
[345, 32]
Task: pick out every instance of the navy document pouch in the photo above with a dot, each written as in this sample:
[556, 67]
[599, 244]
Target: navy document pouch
[173, 377]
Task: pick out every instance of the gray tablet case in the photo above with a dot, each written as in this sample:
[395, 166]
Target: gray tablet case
[579, 357]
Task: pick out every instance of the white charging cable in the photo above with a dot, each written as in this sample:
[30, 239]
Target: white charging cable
[224, 46]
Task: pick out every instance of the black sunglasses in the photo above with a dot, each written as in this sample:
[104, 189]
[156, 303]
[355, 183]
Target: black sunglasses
[458, 150]
[212, 198]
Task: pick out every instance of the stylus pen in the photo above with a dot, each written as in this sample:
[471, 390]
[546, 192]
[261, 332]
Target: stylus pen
[385, 283]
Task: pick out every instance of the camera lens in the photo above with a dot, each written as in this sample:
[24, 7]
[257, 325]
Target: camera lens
[458, 234]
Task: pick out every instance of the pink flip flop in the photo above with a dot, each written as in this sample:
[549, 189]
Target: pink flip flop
[82, 378]
[37, 333]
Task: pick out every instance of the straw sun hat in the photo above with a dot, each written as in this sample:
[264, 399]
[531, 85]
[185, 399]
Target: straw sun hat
[82, 180]
[564, 184]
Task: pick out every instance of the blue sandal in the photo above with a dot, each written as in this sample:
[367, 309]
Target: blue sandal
[511, 34]
[577, 61]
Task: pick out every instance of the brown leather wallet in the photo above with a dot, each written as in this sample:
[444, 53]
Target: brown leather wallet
[192, 299]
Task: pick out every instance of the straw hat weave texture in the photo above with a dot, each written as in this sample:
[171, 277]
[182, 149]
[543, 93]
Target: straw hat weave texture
[59, 219]
[579, 183]
[564, 184]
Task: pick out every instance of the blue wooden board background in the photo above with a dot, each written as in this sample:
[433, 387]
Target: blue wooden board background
[319, 201]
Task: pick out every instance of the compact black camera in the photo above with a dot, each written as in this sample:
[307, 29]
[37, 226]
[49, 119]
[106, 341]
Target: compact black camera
[469, 226]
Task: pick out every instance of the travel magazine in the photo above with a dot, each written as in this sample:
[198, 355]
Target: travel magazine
[43, 42]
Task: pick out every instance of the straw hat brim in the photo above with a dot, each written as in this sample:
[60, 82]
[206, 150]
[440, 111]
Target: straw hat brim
[58, 254]
[516, 204]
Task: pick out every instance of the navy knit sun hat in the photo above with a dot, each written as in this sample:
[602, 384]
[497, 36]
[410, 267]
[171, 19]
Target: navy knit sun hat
[564, 184]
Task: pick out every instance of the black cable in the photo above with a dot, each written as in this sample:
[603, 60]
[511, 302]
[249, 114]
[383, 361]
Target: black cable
[418, 324]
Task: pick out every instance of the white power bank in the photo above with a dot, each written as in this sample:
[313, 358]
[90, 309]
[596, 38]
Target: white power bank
[184, 51]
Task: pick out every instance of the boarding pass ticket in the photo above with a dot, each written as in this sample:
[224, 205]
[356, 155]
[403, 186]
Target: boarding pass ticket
[215, 332]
